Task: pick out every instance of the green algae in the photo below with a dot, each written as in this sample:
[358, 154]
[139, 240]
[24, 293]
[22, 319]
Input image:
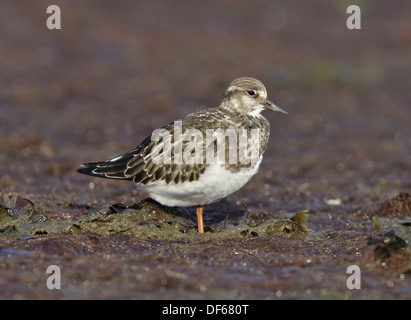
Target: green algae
[26, 223]
[143, 220]
[400, 230]
[148, 224]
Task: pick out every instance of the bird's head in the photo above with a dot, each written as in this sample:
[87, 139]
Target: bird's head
[248, 96]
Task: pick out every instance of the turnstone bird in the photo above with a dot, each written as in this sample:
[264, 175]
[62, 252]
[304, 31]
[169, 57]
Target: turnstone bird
[188, 162]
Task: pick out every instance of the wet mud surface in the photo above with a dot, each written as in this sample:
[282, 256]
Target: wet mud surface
[333, 190]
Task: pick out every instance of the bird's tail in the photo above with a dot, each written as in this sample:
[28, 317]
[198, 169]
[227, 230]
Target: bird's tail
[106, 169]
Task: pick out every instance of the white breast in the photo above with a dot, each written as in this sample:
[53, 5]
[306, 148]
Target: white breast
[213, 185]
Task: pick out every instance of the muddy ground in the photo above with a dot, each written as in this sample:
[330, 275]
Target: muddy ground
[117, 70]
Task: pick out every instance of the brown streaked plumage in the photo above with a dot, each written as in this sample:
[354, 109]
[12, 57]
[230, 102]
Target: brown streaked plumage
[178, 183]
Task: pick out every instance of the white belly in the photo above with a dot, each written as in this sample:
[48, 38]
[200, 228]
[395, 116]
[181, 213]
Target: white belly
[213, 185]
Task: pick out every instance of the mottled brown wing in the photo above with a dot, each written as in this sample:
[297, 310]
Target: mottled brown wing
[159, 160]
[144, 164]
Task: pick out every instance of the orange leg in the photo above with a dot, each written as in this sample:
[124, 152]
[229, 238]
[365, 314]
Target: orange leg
[200, 211]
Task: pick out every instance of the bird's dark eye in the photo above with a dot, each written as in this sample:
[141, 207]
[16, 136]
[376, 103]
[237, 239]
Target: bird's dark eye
[251, 92]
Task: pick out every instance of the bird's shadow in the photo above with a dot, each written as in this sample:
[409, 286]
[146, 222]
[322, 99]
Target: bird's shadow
[214, 213]
[223, 211]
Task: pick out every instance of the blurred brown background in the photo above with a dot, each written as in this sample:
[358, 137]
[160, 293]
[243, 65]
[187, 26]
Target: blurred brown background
[119, 69]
